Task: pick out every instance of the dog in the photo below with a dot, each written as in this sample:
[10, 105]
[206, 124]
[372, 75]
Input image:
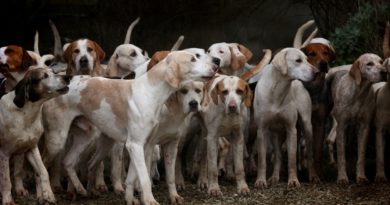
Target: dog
[129, 114]
[225, 115]
[320, 54]
[354, 104]
[21, 127]
[279, 101]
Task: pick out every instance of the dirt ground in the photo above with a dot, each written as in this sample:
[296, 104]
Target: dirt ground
[326, 193]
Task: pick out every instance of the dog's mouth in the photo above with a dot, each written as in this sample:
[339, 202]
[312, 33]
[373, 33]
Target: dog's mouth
[63, 90]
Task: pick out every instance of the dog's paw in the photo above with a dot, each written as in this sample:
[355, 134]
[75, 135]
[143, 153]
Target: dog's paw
[134, 201]
[293, 183]
[342, 181]
[21, 192]
[46, 200]
[71, 195]
[260, 184]
[273, 180]
[102, 188]
[315, 179]
[119, 190]
[361, 180]
[380, 178]
[244, 191]
[180, 186]
[10, 203]
[202, 184]
[176, 199]
[215, 192]
[57, 189]
[151, 202]
[81, 190]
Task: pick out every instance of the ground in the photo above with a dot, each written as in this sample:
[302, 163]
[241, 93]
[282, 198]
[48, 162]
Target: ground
[326, 193]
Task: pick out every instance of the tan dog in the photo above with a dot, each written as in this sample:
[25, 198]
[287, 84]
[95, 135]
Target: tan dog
[279, 101]
[354, 104]
[21, 127]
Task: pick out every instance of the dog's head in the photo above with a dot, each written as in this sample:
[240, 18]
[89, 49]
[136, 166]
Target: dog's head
[292, 63]
[369, 67]
[82, 56]
[40, 84]
[320, 55]
[15, 60]
[127, 57]
[191, 64]
[231, 55]
[189, 96]
[232, 92]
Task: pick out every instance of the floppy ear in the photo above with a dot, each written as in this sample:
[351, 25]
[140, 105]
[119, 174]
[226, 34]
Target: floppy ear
[248, 96]
[112, 67]
[172, 102]
[279, 62]
[156, 58]
[214, 94]
[386, 64]
[68, 53]
[99, 52]
[27, 60]
[332, 54]
[237, 60]
[245, 51]
[21, 93]
[355, 72]
[172, 74]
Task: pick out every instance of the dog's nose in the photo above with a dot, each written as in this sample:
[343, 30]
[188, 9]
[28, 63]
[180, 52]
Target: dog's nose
[83, 61]
[193, 105]
[232, 107]
[216, 61]
[323, 66]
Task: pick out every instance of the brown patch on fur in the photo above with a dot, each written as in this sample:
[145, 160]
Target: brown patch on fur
[18, 59]
[114, 92]
[244, 50]
[156, 58]
[317, 53]
[237, 62]
[355, 72]
[248, 95]
[217, 91]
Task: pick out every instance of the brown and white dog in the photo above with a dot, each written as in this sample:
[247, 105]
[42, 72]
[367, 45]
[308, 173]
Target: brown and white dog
[225, 114]
[354, 104]
[130, 114]
[21, 127]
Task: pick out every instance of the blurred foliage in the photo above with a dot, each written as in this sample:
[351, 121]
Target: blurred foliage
[362, 33]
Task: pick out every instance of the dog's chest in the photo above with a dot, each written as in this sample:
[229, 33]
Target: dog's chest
[230, 124]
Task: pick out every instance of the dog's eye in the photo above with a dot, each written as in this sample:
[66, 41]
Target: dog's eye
[298, 60]
[193, 59]
[197, 55]
[239, 92]
[221, 52]
[8, 51]
[76, 51]
[116, 56]
[184, 91]
[312, 54]
[133, 54]
[370, 64]
[198, 90]
[89, 49]
[225, 92]
[381, 61]
[45, 75]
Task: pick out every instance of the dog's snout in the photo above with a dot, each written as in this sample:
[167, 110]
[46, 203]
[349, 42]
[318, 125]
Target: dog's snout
[323, 65]
[193, 105]
[216, 61]
[83, 61]
[232, 107]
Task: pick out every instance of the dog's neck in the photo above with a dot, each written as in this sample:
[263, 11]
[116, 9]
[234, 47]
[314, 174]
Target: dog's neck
[279, 89]
[34, 109]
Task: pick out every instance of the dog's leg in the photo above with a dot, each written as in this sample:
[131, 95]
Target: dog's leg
[238, 154]
[18, 175]
[277, 159]
[380, 151]
[224, 147]
[170, 154]
[100, 184]
[55, 173]
[291, 142]
[116, 167]
[308, 134]
[104, 146]
[261, 181]
[318, 122]
[342, 177]
[202, 153]
[362, 145]
[212, 168]
[47, 195]
[130, 184]
[5, 181]
[330, 140]
[179, 179]
[137, 155]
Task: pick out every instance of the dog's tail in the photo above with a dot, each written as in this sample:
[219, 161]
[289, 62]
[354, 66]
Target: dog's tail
[36, 43]
[178, 43]
[266, 59]
[129, 30]
[299, 35]
[386, 49]
[57, 40]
